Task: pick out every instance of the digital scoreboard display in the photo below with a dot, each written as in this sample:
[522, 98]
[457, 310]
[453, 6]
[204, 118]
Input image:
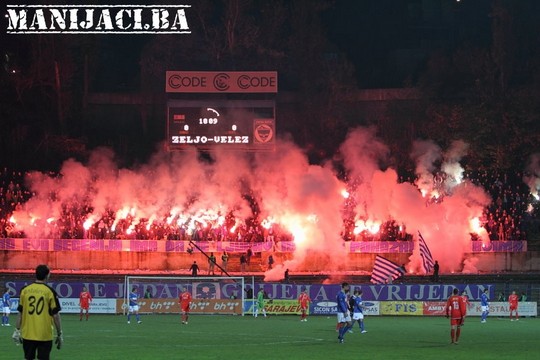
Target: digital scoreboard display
[247, 125]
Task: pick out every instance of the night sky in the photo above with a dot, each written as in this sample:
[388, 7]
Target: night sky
[387, 41]
[313, 45]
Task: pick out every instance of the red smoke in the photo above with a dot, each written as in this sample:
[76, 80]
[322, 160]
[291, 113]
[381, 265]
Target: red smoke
[306, 200]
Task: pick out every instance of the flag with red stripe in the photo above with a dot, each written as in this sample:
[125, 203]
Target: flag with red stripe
[384, 269]
[425, 254]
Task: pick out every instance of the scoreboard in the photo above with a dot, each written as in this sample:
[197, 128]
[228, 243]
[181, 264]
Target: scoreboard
[247, 125]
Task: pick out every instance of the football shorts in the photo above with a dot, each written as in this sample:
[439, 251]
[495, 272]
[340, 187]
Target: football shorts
[342, 318]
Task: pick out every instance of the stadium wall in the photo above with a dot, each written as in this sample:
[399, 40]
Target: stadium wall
[496, 262]
[101, 260]
[125, 261]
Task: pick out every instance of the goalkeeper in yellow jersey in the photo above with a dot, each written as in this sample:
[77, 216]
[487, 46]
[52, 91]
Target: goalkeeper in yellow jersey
[38, 310]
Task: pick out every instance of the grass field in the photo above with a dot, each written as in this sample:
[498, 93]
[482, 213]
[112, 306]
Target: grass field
[285, 337]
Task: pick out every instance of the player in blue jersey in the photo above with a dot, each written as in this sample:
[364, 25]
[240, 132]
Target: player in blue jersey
[484, 302]
[358, 310]
[134, 305]
[343, 315]
[6, 305]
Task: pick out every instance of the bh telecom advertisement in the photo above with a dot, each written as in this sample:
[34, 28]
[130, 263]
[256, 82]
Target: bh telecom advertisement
[198, 306]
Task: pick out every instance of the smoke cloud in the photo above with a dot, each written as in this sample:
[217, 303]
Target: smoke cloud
[426, 153]
[532, 175]
[280, 188]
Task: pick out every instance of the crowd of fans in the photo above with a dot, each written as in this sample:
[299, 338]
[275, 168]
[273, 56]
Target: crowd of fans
[70, 225]
[12, 196]
[513, 207]
[505, 219]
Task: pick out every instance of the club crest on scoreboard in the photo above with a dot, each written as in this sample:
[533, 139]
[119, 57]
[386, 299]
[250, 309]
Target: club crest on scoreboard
[263, 131]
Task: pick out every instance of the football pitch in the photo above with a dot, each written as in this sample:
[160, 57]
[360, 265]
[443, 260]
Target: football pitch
[285, 337]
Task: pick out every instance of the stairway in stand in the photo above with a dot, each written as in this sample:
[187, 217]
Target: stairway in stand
[255, 264]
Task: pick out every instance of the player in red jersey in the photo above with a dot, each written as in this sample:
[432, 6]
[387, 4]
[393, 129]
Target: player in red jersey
[304, 301]
[455, 309]
[84, 302]
[513, 301]
[466, 303]
[185, 302]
